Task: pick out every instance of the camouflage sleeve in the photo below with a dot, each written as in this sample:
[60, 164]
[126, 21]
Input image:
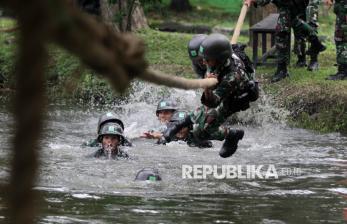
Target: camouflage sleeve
[312, 13]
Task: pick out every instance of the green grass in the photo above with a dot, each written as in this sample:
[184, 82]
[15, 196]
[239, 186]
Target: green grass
[222, 13]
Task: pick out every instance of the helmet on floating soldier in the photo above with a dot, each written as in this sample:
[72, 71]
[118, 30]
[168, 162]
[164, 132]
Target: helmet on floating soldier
[110, 129]
[151, 174]
[166, 105]
[109, 117]
[216, 47]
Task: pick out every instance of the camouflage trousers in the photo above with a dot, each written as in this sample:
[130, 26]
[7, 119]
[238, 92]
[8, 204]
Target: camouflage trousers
[311, 17]
[208, 122]
[302, 30]
[341, 32]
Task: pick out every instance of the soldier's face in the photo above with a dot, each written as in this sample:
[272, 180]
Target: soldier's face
[210, 62]
[110, 142]
[164, 116]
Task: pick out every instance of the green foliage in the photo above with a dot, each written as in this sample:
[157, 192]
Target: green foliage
[329, 119]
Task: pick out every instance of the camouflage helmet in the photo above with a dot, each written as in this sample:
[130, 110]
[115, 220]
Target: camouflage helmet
[110, 128]
[109, 117]
[216, 46]
[179, 115]
[151, 174]
[166, 105]
[194, 45]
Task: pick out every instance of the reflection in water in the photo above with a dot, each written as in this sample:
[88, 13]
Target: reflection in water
[80, 189]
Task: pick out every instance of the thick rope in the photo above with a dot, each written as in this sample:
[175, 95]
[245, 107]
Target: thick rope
[28, 112]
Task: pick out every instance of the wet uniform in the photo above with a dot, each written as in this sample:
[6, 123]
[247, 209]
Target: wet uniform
[233, 81]
[120, 155]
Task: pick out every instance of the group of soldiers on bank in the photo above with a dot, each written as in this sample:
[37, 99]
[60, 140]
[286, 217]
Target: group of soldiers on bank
[302, 15]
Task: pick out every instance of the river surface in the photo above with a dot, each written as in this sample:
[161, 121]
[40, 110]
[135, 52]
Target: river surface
[77, 188]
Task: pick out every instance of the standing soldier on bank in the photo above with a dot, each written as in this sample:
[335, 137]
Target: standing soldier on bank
[310, 15]
[340, 9]
[289, 11]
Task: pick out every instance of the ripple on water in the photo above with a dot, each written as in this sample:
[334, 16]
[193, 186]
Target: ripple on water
[85, 196]
[339, 190]
[289, 192]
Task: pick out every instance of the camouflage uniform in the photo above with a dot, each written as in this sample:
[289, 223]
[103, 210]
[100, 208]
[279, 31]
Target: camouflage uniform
[340, 9]
[311, 17]
[233, 83]
[290, 12]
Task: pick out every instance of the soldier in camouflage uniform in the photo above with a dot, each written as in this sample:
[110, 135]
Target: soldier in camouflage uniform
[289, 11]
[110, 137]
[311, 17]
[340, 9]
[234, 91]
[108, 117]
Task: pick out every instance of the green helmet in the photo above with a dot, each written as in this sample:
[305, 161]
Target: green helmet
[179, 115]
[166, 105]
[110, 129]
[216, 46]
[109, 117]
[194, 45]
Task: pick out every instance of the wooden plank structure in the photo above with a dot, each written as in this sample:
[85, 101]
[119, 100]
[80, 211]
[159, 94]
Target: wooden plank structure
[265, 28]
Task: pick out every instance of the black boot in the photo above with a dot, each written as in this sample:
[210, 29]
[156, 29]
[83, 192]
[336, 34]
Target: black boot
[230, 144]
[301, 61]
[281, 73]
[340, 75]
[316, 46]
[315, 49]
[313, 66]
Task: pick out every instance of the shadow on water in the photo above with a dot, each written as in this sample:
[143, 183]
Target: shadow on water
[79, 189]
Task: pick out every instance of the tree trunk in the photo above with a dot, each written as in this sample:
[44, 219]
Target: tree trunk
[180, 5]
[123, 15]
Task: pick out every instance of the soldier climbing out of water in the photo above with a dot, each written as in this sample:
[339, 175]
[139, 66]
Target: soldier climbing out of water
[110, 136]
[165, 109]
[234, 91]
[186, 133]
[107, 118]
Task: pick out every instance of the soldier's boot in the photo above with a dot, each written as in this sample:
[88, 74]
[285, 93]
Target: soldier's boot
[281, 73]
[314, 50]
[172, 130]
[340, 75]
[313, 66]
[316, 46]
[301, 61]
[230, 144]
